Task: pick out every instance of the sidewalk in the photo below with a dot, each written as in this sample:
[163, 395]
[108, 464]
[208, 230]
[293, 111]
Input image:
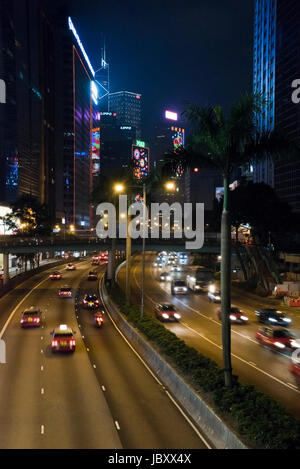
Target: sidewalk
[14, 271]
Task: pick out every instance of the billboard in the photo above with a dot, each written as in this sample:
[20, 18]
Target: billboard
[178, 137]
[171, 115]
[140, 156]
[96, 151]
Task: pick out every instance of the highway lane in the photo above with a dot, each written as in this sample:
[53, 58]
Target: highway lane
[146, 416]
[200, 328]
[100, 397]
[51, 401]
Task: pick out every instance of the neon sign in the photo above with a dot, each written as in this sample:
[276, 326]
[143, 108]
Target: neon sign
[140, 143]
[96, 152]
[177, 137]
[72, 28]
[140, 158]
[94, 92]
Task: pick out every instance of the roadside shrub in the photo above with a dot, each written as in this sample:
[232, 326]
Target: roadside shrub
[265, 422]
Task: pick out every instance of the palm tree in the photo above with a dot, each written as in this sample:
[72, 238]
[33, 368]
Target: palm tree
[226, 143]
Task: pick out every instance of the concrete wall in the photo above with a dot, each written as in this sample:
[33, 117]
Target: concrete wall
[202, 415]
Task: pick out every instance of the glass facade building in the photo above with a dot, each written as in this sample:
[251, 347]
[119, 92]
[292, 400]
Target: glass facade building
[128, 108]
[276, 66]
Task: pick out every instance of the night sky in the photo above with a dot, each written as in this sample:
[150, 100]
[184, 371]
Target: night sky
[173, 52]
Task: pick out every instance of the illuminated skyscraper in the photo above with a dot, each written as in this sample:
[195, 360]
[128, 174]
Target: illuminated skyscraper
[128, 108]
[276, 66]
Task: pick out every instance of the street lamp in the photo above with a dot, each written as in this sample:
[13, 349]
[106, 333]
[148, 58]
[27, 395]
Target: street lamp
[170, 186]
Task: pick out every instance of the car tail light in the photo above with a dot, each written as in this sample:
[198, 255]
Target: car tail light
[72, 343]
[85, 301]
[54, 343]
[22, 320]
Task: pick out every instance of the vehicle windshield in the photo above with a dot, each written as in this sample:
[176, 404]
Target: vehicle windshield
[91, 297]
[235, 310]
[282, 334]
[279, 314]
[180, 284]
[63, 334]
[65, 289]
[30, 313]
[167, 307]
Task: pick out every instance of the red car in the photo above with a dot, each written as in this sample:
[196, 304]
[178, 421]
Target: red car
[98, 319]
[167, 312]
[55, 275]
[65, 292]
[63, 339]
[276, 338]
[236, 316]
[71, 267]
[31, 318]
[92, 276]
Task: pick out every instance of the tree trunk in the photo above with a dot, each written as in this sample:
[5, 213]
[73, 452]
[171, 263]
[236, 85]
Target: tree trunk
[226, 285]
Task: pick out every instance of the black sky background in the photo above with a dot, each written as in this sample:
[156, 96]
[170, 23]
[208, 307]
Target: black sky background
[172, 52]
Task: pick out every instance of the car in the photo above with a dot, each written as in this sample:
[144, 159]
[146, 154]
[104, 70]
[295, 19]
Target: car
[71, 267]
[295, 368]
[276, 338]
[272, 317]
[65, 292]
[214, 296]
[165, 277]
[179, 286]
[167, 312]
[176, 268]
[236, 316]
[63, 339]
[98, 319]
[55, 275]
[92, 275]
[90, 301]
[95, 262]
[31, 317]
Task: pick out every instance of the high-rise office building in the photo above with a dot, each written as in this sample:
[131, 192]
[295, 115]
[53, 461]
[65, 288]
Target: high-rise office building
[276, 66]
[128, 108]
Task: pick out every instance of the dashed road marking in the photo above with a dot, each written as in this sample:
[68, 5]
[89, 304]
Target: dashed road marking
[42, 429]
[103, 388]
[117, 425]
[42, 391]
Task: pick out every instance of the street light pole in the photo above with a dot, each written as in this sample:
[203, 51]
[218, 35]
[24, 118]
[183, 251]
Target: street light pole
[145, 227]
[128, 259]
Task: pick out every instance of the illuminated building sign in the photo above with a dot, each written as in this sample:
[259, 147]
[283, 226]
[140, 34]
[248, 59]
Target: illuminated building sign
[125, 127]
[94, 92]
[2, 92]
[140, 158]
[177, 137]
[171, 115]
[96, 152]
[72, 28]
[140, 143]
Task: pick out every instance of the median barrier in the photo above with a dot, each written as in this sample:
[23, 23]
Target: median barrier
[204, 417]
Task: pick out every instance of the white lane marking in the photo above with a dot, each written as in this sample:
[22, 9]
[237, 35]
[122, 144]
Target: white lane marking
[117, 425]
[42, 338]
[82, 336]
[220, 347]
[293, 385]
[103, 388]
[87, 349]
[186, 417]
[18, 306]
[94, 366]
[79, 325]
[42, 391]
[252, 363]
[42, 351]
[42, 368]
[42, 429]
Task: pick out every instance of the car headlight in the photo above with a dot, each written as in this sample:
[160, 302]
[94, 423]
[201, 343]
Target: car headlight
[184, 289]
[294, 344]
[177, 316]
[232, 318]
[212, 288]
[287, 320]
[218, 298]
[197, 287]
[168, 278]
[165, 316]
[272, 320]
[176, 288]
[244, 318]
[279, 345]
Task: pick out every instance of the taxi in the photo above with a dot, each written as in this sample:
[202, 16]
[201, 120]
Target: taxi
[31, 318]
[63, 339]
[65, 292]
[55, 275]
[90, 301]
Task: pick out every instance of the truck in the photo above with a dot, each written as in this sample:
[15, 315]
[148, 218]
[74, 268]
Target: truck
[199, 278]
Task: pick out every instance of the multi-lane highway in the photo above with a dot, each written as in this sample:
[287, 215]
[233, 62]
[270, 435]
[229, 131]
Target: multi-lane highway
[201, 328]
[102, 396]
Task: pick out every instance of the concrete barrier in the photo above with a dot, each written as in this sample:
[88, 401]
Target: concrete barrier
[204, 417]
